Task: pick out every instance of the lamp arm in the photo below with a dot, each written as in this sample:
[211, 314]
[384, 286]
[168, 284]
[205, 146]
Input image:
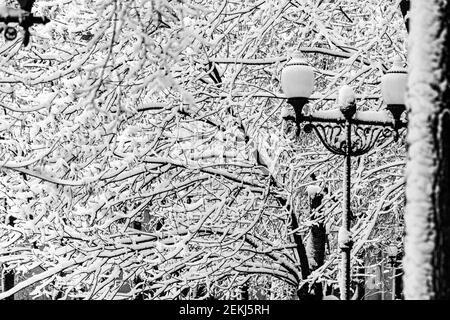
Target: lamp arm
[20, 16]
[371, 118]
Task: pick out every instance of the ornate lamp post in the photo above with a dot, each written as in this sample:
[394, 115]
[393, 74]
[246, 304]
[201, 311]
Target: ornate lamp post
[346, 131]
[392, 252]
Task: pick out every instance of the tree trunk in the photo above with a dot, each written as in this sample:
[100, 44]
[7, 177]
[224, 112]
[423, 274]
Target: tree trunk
[315, 251]
[315, 247]
[302, 293]
[404, 8]
[8, 283]
[427, 243]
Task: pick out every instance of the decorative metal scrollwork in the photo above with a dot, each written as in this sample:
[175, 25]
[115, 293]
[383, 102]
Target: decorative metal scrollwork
[331, 136]
[366, 137]
[363, 138]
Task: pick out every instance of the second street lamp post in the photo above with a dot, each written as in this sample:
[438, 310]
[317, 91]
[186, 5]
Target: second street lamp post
[346, 131]
[392, 252]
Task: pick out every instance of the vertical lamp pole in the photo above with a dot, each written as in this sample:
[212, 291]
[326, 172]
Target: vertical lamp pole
[392, 252]
[346, 131]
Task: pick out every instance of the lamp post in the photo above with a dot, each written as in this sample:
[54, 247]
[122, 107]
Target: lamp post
[345, 131]
[392, 252]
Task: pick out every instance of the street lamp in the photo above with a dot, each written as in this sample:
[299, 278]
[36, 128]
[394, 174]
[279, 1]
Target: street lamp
[393, 89]
[345, 131]
[392, 252]
[297, 80]
[23, 17]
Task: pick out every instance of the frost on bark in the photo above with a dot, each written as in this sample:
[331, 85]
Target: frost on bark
[427, 243]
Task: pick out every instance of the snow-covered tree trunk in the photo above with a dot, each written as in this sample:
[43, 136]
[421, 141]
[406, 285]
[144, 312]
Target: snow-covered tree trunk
[315, 246]
[427, 217]
[315, 250]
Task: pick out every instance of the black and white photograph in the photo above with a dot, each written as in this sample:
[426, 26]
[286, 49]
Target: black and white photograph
[225, 155]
